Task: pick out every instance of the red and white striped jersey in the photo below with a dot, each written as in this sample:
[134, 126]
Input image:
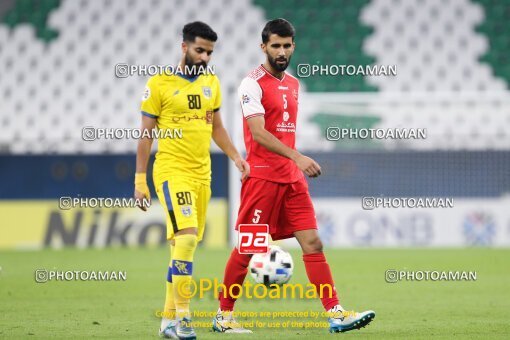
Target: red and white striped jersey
[262, 94]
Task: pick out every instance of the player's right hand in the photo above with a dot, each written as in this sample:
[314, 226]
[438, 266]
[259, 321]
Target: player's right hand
[142, 189]
[310, 167]
[244, 167]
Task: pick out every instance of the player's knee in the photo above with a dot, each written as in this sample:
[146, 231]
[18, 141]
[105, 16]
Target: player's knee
[312, 246]
[186, 242]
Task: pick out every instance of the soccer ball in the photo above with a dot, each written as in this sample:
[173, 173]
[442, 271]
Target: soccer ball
[273, 267]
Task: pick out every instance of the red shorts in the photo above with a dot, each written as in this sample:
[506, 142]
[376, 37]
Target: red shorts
[285, 207]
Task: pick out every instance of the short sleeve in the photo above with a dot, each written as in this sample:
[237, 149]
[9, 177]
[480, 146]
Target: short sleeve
[250, 95]
[151, 101]
[217, 96]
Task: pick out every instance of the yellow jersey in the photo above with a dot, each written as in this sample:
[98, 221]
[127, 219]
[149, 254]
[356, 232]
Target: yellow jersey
[185, 108]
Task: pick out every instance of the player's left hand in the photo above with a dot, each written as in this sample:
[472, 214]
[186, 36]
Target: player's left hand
[141, 190]
[244, 167]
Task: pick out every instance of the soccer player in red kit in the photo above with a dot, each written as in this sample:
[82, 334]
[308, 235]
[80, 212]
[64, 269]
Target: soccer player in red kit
[276, 192]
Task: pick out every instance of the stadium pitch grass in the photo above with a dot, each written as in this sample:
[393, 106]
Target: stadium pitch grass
[126, 309]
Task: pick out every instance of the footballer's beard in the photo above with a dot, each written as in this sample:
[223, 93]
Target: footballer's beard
[193, 69]
[280, 67]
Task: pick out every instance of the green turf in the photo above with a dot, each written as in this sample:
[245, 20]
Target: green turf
[112, 310]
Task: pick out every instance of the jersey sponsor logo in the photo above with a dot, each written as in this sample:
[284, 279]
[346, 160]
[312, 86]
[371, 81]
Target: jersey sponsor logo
[206, 91]
[245, 99]
[253, 238]
[209, 117]
[286, 127]
[282, 87]
[188, 117]
[146, 93]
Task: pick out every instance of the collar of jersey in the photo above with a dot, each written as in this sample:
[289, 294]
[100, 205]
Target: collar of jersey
[269, 73]
[188, 78]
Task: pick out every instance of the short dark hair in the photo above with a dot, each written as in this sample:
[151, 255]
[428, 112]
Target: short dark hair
[198, 29]
[279, 26]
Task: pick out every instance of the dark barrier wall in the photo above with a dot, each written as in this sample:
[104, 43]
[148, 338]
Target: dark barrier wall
[412, 174]
[345, 174]
[50, 177]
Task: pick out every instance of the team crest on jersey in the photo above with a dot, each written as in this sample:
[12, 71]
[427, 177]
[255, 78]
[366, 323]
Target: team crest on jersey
[245, 99]
[186, 211]
[207, 91]
[146, 93]
[208, 117]
[295, 94]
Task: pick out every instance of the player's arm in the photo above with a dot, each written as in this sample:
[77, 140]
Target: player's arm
[250, 95]
[222, 139]
[257, 128]
[151, 108]
[142, 158]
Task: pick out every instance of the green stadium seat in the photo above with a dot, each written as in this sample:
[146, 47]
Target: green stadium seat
[495, 27]
[12, 19]
[33, 12]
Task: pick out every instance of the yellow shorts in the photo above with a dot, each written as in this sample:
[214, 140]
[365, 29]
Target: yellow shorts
[185, 201]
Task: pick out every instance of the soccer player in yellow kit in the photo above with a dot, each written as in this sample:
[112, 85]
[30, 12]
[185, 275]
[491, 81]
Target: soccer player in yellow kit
[188, 104]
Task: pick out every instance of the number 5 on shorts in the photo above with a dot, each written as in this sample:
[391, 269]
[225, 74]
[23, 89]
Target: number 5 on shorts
[256, 216]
